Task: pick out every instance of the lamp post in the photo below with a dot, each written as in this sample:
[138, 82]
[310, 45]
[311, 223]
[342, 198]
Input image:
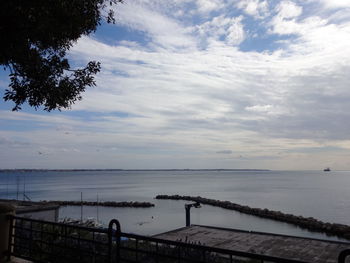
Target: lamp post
[188, 213]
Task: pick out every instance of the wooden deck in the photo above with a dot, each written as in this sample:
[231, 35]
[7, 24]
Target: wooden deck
[304, 249]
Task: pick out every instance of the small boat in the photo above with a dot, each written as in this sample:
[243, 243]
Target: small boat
[327, 169]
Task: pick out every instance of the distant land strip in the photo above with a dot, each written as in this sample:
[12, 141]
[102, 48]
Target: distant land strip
[129, 170]
[309, 223]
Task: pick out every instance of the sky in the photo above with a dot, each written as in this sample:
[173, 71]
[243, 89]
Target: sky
[200, 84]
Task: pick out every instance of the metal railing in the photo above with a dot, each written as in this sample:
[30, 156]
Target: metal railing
[343, 255]
[43, 241]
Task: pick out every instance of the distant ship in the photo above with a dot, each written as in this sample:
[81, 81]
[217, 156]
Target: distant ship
[327, 169]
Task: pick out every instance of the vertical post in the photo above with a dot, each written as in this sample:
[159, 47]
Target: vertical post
[41, 239]
[188, 214]
[24, 187]
[31, 239]
[137, 249]
[57, 211]
[6, 231]
[7, 186]
[17, 179]
[97, 217]
[110, 240]
[11, 238]
[114, 235]
[81, 207]
[118, 236]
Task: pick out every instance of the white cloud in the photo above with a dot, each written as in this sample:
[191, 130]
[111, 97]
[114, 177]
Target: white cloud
[206, 6]
[227, 29]
[285, 21]
[286, 27]
[260, 108]
[221, 85]
[163, 30]
[256, 8]
[288, 9]
[333, 4]
[236, 34]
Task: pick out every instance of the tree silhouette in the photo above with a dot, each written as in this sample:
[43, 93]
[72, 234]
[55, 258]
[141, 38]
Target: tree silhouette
[35, 37]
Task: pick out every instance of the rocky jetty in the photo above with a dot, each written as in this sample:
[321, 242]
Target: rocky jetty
[309, 223]
[79, 203]
[106, 203]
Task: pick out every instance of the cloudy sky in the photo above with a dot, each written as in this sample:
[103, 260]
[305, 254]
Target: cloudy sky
[201, 84]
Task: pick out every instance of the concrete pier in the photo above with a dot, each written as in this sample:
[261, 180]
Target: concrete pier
[297, 248]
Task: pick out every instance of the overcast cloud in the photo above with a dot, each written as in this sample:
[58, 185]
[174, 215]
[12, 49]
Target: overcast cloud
[201, 84]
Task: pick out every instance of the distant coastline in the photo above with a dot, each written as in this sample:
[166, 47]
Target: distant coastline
[130, 170]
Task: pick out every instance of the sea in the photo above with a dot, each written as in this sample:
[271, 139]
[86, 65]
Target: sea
[318, 194]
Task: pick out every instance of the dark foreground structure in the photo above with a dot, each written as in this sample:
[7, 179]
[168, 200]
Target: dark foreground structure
[43, 241]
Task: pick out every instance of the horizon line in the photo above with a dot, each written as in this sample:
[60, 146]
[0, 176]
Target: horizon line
[116, 169]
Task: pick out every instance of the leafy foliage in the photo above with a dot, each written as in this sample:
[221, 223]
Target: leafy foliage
[36, 36]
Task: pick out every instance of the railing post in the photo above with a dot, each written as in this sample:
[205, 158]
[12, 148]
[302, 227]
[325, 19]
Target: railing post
[6, 223]
[117, 236]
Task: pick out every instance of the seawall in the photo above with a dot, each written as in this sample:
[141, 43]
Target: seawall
[106, 203]
[78, 203]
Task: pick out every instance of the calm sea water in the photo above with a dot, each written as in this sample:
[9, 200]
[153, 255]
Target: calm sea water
[322, 195]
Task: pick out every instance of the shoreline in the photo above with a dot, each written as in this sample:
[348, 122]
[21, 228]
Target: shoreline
[309, 223]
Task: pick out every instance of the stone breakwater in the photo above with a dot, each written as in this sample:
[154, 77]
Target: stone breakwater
[78, 203]
[309, 223]
[106, 203]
